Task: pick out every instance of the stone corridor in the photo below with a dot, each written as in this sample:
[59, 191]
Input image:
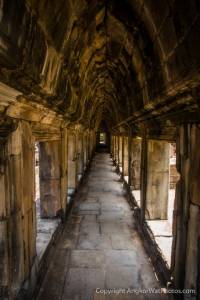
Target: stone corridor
[76, 77]
[99, 247]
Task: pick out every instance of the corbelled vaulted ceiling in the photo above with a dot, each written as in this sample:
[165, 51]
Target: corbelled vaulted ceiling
[102, 60]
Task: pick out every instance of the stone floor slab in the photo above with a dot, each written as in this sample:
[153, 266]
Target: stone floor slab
[123, 242]
[114, 227]
[109, 216]
[87, 259]
[122, 277]
[121, 257]
[91, 206]
[97, 241]
[90, 228]
[81, 283]
[89, 212]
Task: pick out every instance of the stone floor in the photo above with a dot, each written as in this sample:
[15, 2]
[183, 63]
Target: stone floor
[99, 249]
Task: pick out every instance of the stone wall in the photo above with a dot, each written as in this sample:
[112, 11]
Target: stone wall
[18, 211]
[186, 226]
[152, 157]
[19, 262]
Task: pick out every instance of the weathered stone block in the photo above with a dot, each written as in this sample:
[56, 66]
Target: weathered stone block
[16, 251]
[125, 156]
[32, 235]
[15, 142]
[195, 165]
[192, 256]
[120, 152]
[135, 163]
[49, 156]
[4, 199]
[25, 224]
[50, 197]
[4, 252]
[157, 179]
[15, 182]
[72, 161]
[28, 183]
[50, 184]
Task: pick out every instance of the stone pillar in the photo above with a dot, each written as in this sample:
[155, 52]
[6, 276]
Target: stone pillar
[125, 157]
[129, 157]
[111, 144]
[87, 142]
[186, 242]
[50, 178]
[64, 165]
[192, 267]
[72, 162]
[157, 180]
[95, 141]
[85, 150]
[80, 154]
[120, 151]
[143, 176]
[4, 234]
[90, 144]
[136, 147]
[88, 147]
[115, 148]
[181, 208]
[17, 208]
[192, 280]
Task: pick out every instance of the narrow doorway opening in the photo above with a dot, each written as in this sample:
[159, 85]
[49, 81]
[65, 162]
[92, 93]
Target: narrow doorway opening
[102, 138]
[120, 153]
[80, 159]
[136, 169]
[45, 227]
[37, 185]
[125, 164]
[162, 229]
[72, 175]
